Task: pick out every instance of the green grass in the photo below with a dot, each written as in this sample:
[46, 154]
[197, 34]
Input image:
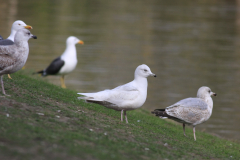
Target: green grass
[27, 135]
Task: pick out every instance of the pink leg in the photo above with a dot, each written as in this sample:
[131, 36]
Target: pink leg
[184, 129]
[194, 133]
[3, 91]
[121, 115]
[125, 114]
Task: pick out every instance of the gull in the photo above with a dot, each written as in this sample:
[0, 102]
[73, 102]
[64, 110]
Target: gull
[191, 111]
[126, 97]
[15, 27]
[10, 40]
[66, 63]
[13, 57]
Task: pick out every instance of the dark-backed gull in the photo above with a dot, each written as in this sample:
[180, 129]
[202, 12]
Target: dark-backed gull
[66, 63]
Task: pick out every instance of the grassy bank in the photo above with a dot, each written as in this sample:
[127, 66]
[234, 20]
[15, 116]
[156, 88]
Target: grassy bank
[43, 121]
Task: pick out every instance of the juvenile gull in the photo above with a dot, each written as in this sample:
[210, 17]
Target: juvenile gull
[15, 27]
[66, 63]
[191, 111]
[13, 57]
[129, 96]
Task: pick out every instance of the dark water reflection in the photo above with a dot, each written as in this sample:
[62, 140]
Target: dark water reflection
[188, 44]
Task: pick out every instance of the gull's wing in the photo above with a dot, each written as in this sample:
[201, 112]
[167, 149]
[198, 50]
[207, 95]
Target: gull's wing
[5, 61]
[6, 42]
[117, 96]
[55, 66]
[126, 92]
[6, 57]
[189, 110]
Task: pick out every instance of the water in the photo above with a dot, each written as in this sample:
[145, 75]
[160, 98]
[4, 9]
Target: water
[188, 44]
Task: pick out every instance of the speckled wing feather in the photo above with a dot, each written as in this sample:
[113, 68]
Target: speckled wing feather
[6, 58]
[190, 110]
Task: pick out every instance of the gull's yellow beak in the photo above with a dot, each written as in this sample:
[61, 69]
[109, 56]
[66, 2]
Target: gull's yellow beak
[28, 27]
[80, 42]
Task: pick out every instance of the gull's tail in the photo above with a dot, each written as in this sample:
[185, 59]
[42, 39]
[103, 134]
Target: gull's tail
[86, 96]
[160, 113]
[96, 98]
[42, 72]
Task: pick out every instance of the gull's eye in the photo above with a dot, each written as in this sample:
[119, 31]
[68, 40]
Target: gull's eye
[145, 70]
[28, 33]
[19, 24]
[209, 91]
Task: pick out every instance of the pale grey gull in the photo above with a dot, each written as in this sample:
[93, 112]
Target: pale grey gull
[126, 97]
[13, 57]
[66, 63]
[191, 111]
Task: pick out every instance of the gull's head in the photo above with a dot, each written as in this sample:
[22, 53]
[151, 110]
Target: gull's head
[23, 35]
[73, 40]
[204, 92]
[144, 71]
[20, 25]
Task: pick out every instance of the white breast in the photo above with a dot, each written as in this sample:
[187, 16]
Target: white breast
[69, 66]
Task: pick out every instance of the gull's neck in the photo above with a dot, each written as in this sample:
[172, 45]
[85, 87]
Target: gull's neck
[21, 43]
[23, 49]
[209, 101]
[141, 82]
[70, 52]
[11, 37]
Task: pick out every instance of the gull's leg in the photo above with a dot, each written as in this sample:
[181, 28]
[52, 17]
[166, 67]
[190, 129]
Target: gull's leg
[3, 91]
[63, 82]
[121, 115]
[9, 76]
[194, 133]
[184, 129]
[125, 114]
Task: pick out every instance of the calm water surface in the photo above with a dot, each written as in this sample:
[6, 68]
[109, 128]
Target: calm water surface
[187, 44]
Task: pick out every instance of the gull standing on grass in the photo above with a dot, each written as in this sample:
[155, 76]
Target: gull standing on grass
[15, 27]
[13, 57]
[64, 64]
[191, 111]
[129, 96]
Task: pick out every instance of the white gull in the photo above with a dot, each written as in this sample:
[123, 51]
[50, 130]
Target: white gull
[126, 97]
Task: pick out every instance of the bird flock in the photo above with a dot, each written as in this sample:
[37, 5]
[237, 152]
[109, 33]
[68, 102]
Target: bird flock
[14, 53]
